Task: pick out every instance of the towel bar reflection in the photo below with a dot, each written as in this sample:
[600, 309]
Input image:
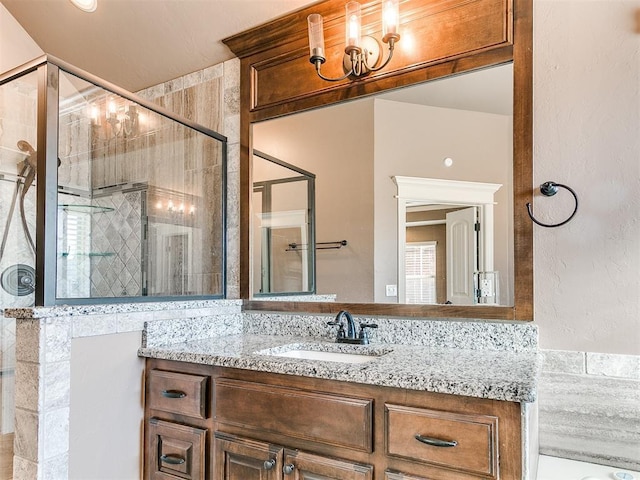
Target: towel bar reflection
[549, 189]
[319, 246]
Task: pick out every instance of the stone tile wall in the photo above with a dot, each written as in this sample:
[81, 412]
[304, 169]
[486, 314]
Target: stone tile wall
[467, 334]
[590, 407]
[43, 367]
[211, 98]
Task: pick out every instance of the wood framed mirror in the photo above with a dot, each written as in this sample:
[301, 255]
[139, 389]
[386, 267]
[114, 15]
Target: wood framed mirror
[447, 38]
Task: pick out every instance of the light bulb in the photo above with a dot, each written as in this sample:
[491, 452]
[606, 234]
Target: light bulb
[390, 19]
[353, 15]
[86, 5]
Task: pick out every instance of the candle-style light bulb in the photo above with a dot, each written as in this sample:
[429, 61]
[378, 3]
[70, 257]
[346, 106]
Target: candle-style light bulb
[111, 109]
[316, 38]
[390, 20]
[352, 27]
[94, 114]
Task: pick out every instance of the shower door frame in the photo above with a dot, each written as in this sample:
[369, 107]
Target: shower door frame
[48, 70]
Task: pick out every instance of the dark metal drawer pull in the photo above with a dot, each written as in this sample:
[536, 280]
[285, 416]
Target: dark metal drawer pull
[173, 394]
[436, 442]
[171, 460]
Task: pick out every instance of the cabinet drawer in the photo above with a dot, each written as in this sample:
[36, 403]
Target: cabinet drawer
[325, 418]
[463, 442]
[178, 393]
[175, 451]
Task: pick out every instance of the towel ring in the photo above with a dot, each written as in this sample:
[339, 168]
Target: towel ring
[549, 189]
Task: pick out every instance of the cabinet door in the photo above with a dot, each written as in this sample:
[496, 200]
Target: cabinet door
[176, 452]
[305, 466]
[244, 459]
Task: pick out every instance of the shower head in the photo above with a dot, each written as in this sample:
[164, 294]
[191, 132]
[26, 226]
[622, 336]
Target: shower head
[31, 159]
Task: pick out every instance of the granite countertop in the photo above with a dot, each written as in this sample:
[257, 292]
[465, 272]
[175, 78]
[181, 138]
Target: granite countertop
[497, 375]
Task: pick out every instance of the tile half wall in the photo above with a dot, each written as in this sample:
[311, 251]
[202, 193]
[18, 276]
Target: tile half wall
[590, 407]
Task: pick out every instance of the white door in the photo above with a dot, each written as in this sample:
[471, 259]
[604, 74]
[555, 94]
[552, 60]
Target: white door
[461, 255]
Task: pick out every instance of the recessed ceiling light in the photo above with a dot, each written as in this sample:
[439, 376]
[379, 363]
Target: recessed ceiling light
[86, 5]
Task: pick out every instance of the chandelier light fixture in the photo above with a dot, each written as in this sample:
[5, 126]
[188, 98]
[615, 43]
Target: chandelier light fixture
[123, 120]
[362, 54]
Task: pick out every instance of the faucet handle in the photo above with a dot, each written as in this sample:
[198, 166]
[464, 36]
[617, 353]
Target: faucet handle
[368, 325]
[334, 323]
[364, 335]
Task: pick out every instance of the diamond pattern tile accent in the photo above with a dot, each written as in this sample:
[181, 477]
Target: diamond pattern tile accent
[116, 234]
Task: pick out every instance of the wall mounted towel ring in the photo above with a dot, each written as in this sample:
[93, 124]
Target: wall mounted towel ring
[549, 189]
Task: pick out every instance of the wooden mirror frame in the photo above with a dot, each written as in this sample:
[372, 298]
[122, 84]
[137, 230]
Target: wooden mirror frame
[455, 36]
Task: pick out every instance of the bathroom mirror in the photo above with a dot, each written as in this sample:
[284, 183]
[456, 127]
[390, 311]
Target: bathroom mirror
[439, 41]
[456, 131]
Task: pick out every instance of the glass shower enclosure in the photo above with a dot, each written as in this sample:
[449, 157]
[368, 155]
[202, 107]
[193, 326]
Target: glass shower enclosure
[104, 197]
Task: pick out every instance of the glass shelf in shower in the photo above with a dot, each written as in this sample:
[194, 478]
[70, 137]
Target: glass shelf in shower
[88, 254]
[79, 208]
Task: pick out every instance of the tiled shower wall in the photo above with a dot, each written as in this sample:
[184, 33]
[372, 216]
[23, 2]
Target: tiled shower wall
[95, 168]
[590, 407]
[211, 98]
[116, 238]
[18, 102]
[110, 264]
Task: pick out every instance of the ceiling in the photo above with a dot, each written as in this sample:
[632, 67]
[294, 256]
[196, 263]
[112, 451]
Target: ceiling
[488, 90]
[139, 43]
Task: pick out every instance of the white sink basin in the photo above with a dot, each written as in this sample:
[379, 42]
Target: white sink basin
[327, 352]
[327, 356]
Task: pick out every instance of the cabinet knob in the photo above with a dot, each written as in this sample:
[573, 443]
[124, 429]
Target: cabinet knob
[269, 464]
[288, 468]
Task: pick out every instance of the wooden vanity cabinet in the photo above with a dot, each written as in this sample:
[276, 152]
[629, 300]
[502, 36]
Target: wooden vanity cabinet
[177, 423]
[246, 425]
[239, 458]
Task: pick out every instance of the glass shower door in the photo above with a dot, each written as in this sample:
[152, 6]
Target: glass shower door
[18, 131]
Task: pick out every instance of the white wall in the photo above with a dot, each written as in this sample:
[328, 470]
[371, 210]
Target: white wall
[16, 46]
[106, 411]
[587, 135]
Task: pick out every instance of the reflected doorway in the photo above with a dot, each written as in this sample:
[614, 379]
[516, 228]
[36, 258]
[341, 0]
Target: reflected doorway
[456, 219]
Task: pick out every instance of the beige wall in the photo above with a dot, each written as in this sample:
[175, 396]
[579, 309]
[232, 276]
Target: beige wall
[336, 145]
[16, 47]
[587, 135]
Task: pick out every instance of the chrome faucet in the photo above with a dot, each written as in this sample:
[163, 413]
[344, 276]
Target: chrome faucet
[350, 336]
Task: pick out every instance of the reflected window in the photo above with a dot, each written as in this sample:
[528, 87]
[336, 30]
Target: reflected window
[420, 271]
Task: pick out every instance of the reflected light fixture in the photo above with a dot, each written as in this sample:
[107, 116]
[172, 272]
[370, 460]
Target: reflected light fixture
[86, 5]
[361, 53]
[126, 122]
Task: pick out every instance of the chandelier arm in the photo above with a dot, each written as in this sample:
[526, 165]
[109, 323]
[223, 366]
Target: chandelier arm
[318, 63]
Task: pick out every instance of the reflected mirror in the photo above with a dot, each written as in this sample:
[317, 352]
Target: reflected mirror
[418, 181]
[283, 234]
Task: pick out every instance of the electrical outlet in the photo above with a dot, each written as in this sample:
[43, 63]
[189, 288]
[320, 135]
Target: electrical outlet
[486, 288]
[392, 290]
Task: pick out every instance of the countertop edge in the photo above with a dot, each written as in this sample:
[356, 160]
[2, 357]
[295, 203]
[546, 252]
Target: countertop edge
[507, 390]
